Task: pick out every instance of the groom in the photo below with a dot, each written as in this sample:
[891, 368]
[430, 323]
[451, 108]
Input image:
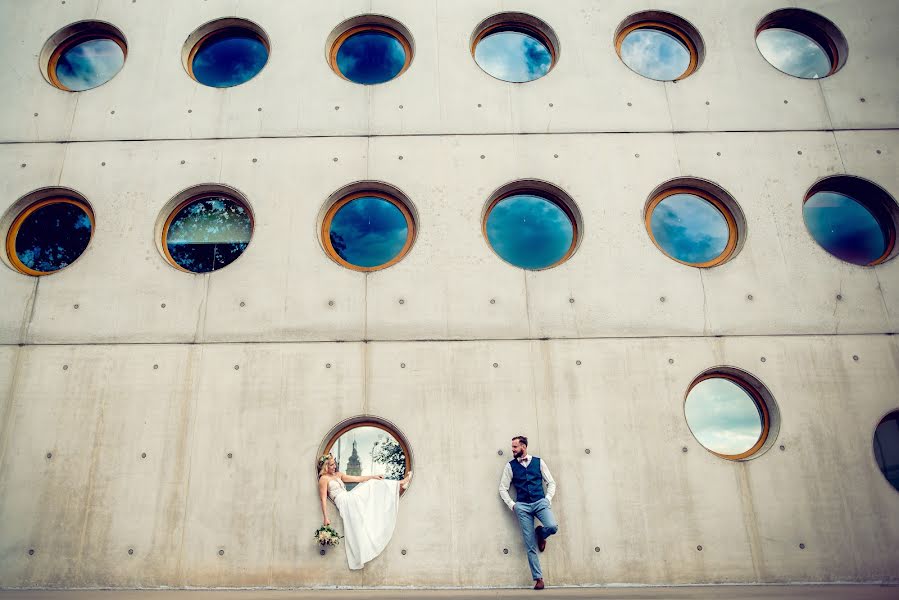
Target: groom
[527, 473]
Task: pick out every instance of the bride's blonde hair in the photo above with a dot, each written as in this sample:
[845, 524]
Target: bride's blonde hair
[323, 464]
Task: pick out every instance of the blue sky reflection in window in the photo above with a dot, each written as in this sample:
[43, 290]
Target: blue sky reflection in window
[689, 228]
[529, 231]
[723, 416]
[655, 53]
[371, 56]
[845, 227]
[513, 56]
[368, 231]
[88, 64]
[53, 236]
[794, 53]
[228, 58]
[208, 234]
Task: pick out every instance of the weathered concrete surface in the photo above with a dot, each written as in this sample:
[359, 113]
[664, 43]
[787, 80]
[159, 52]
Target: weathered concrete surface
[286, 280]
[98, 386]
[768, 592]
[646, 504]
[588, 90]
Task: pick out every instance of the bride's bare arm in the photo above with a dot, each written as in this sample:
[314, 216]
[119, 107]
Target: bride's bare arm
[323, 492]
[356, 478]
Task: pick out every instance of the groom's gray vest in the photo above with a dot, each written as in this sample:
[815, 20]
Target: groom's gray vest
[528, 482]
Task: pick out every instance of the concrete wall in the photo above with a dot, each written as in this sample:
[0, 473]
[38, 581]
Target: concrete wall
[146, 362]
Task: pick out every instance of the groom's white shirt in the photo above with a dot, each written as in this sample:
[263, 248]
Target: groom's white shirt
[506, 480]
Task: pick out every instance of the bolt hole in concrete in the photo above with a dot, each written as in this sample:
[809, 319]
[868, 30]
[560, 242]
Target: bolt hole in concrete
[505, 550]
[402, 301]
[327, 365]
[855, 357]
[236, 367]
[492, 301]
[65, 367]
[586, 450]
[155, 367]
[130, 551]
[49, 455]
[495, 365]
[143, 455]
[221, 552]
[670, 361]
[31, 552]
[684, 449]
[499, 452]
[76, 307]
[243, 304]
[230, 455]
[402, 365]
[577, 362]
[699, 548]
[403, 552]
[162, 305]
[782, 447]
[763, 359]
[596, 549]
[802, 546]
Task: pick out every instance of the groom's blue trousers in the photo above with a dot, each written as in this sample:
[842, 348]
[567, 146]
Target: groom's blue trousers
[526, 513]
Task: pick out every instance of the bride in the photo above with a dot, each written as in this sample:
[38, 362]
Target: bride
[368, 510]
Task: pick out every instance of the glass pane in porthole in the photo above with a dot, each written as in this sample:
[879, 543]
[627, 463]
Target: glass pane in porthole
[689, 228]
[845, 227]
[886, 448]
[370, 57]
[229, 58]
[723, 416]
[51, 237]
[89, 64]
[513, 56]
[369, 231]
[794, 53]
[529, 231]
[368, 450]
[209, 234]
[656, 54]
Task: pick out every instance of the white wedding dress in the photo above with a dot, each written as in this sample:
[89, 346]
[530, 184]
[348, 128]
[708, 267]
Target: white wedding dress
[369, 516]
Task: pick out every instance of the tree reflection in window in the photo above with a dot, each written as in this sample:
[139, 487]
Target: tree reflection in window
[50, 236]
[369, 450]
[208, 233]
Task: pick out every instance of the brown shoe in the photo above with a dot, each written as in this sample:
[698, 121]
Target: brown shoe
[541, 541]
[539, 585]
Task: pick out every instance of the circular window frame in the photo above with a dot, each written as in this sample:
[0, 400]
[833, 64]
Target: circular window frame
[520, 23]
[764, 401]
[367, 421]
[362, 189]
[71, 35]
[547, 191]
[881, 205]
[187, 197]
[24, 208]
[717, 197]
[669, 23]
[369, 22]
[214, 29]
[812, 25]
[883, 476]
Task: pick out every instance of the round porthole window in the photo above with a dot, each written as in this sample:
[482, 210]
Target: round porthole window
[83, 56]
[49, 232]
[368, 446]
[886, 447]
[368, 228]
[207, 230]
[696, 226]
[532, 225]
[801, 43]
[731, 414]
[370, 49]
[659, 45]
[226, 53]
[853, 219]
[515, 47]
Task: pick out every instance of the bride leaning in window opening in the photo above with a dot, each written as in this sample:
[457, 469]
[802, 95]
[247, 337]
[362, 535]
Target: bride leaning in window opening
[368, 510]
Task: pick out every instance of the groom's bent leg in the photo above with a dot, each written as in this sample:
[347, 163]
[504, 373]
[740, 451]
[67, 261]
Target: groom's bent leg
[525, 514]
[547, 518]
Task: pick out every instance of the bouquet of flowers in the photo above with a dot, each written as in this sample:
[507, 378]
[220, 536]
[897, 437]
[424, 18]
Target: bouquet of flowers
[327, 536]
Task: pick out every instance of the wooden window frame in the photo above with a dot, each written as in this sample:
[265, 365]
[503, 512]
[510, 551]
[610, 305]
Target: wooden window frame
[184, 204]
[761, 405]
[664, 27]
[517, 27]
[356, 424]
[366, 27]
[733, 230]
[223, 32]
[329, 217]
[73, 41]
[23, 216]
[575, 230]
